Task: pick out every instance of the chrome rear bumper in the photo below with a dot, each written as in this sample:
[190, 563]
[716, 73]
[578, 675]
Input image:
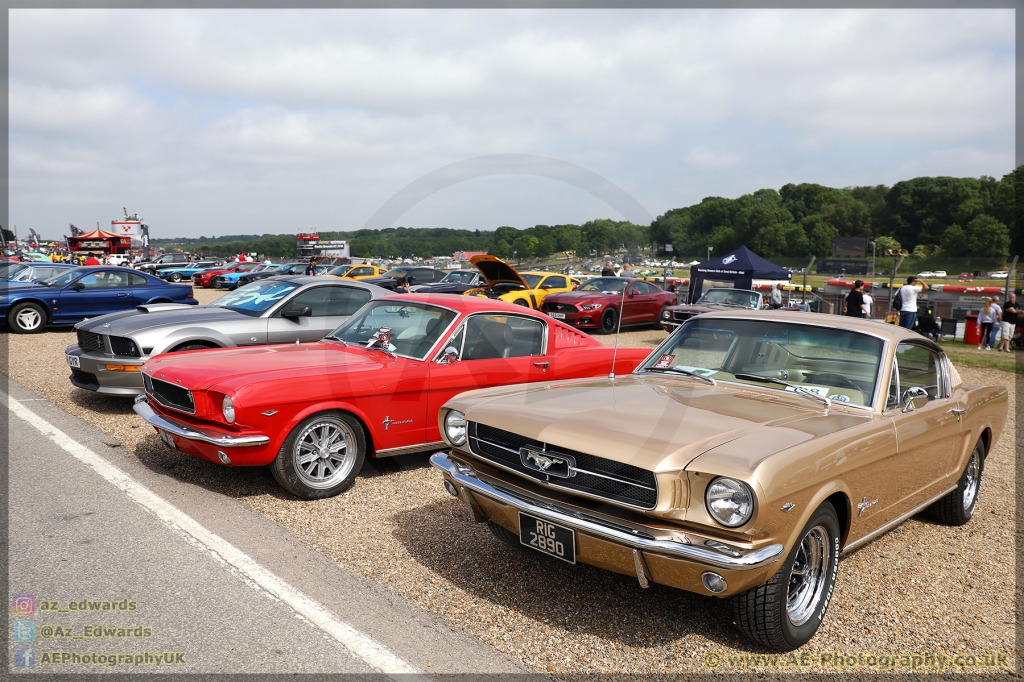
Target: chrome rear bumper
[466, 478]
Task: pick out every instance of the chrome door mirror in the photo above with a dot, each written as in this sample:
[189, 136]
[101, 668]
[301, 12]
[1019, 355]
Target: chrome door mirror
[913, 398]
[450, 355]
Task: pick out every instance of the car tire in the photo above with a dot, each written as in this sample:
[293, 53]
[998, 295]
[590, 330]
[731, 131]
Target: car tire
[521, 302]
[785, 612]
[27, 318]
[609, 322]
[957, 508]
[192, 346]
[506, 536]
[316, 481]
[175, 277]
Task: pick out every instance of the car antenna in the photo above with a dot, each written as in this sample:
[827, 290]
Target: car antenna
[618, 328]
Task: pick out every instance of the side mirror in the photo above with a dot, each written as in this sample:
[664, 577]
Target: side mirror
[914, 398]
[450, 355]
[631, 293]
[77, 286]
[297, 310]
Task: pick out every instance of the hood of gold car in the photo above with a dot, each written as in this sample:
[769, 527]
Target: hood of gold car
[656, 423]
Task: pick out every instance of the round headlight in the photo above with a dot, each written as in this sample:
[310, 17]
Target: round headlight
[228, 408]
[455, 427]
[730, 502]
[667, 314]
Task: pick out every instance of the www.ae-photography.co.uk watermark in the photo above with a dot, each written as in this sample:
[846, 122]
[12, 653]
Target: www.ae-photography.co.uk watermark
[27, 633]
[839, 661]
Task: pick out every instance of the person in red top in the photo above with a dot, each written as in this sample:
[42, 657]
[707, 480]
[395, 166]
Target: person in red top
[92, 260]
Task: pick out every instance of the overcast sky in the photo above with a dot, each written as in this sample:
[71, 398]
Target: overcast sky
[252, 121]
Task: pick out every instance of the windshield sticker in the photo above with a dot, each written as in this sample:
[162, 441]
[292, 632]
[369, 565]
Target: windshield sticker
[703, 371]
[839, 398]
[823, 392]
[665, 361]
[776, 335]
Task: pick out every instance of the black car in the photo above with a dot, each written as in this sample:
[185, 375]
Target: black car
[414, 274]
[455, 282]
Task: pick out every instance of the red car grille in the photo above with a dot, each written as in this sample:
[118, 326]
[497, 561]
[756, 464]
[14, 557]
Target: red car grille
[553, 307]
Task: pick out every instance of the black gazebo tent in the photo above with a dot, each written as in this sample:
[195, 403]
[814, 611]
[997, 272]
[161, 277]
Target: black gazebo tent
[741, 267]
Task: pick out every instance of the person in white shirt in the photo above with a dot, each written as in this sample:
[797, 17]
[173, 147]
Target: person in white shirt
[908, 295]
[866, 306]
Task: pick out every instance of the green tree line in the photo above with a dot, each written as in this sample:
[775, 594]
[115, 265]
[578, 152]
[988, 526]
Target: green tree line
[951, 217]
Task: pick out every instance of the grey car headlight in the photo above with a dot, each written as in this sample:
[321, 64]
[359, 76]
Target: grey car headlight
[228, 409]
[455, 427]
[730, 502]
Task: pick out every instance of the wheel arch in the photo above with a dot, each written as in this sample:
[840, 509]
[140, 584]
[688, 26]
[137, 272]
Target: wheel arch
[29, 299]
[335, 406]
[986, 439]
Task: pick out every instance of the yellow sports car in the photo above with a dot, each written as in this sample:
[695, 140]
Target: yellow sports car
[356, 271]
[527, 289]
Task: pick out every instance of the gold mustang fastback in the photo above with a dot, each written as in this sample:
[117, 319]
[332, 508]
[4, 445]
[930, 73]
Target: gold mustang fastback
[738, 460]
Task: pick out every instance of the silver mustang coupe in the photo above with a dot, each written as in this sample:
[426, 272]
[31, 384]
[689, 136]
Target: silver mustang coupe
[287, 309]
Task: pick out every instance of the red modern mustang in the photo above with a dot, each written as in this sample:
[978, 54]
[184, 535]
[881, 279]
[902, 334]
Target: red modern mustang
[204, 277]
[598, 303]
[373, 387]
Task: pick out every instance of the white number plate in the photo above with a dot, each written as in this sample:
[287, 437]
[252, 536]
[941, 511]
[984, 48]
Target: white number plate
[166, 438]
[73, 361]
[557, 316]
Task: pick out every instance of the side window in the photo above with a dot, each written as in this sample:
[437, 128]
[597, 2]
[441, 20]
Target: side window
[346, 300]
[501, 336]
[317, 299]
[106, 279]
[138, 280]
[555, 282]
[360, 272]
[918, 366]
[637, 289]
[892, 399]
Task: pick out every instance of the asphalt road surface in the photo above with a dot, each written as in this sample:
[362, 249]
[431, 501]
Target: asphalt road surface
[118, 568]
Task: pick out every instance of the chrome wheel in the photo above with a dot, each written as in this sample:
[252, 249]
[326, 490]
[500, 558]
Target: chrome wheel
[324, 453]
[971, 479]
[808, 577]
[29, 319]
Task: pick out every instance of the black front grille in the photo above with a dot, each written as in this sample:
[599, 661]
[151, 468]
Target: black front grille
[168, 394]
[85, 377]
[558, 307]
[90, 342]
[124, 347]
[680, 316]
[595, 476]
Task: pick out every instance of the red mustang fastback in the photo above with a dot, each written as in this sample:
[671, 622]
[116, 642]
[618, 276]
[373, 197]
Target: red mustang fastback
[598, 303]
[373, 387]
[204, 277]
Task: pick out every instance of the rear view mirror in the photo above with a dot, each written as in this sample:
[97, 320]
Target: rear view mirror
[297, 310]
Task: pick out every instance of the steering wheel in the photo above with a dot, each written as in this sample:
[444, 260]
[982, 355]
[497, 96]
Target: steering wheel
[832, 379]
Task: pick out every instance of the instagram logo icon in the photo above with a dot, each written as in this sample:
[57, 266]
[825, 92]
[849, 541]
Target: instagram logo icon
[23, 605]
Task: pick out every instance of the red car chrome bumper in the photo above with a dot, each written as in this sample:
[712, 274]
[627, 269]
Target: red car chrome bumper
[211, 444]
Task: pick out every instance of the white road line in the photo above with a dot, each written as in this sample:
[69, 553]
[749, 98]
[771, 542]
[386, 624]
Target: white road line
[362, 646]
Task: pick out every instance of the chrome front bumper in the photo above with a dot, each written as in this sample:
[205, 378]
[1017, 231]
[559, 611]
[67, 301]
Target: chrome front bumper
[466, 478]
[143, 409]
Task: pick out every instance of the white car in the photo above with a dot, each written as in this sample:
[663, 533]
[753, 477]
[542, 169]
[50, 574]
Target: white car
[1002, 274]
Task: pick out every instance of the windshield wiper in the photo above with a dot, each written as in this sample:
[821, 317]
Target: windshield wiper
[684, 372]
[772, 380]
[335, 338]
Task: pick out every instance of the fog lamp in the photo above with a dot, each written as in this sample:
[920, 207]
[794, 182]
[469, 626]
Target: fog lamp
[713, 582]
[450, 487]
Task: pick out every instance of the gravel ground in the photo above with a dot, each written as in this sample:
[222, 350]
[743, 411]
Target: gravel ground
[922, 588]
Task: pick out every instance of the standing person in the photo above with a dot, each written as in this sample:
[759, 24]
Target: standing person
[855, 300]
[987, 319]
[311, 268]
[776, 298]
[607, 270]
[908, 297]
[626, 272]
[868, 302]
[91, 260]
[1011, 315]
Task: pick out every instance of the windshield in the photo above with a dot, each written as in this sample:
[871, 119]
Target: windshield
[9, 270]
[746, 299]
[415, 327]
[65, 279]
[397, 272]
[459, 277]
[532, 280]
[838, 364]
[256, 298]
[606, 285]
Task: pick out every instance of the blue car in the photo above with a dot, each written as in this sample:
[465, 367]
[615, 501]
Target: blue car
[84, 292]
[20, 274]
[185, 272]
[229, 280]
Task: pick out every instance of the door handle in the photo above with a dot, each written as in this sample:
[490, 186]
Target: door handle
[959, 412]
[543, 365]
[122, 295]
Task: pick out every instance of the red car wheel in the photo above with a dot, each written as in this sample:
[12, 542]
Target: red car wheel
[321, 456]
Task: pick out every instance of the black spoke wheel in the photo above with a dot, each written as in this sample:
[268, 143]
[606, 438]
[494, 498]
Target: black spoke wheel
[957, 508]
[609, 321]
[785, 612]
[321, 456]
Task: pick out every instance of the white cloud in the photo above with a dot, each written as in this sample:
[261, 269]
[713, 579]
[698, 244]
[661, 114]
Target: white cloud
[221, 113]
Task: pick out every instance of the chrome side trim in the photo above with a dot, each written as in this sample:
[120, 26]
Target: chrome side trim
[469, 481]
[409, 449]
[897, 521]
[143, 409]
